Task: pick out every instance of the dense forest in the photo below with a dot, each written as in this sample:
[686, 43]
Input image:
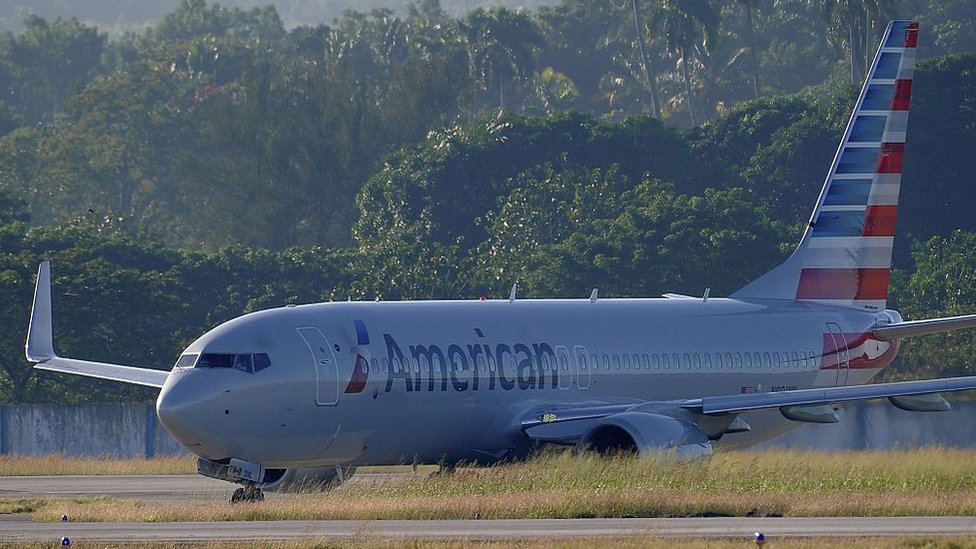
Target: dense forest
[219, 161]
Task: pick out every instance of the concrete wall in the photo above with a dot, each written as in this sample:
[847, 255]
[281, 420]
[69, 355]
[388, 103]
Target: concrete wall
[878, 425]
[132, 430]
[115, 430]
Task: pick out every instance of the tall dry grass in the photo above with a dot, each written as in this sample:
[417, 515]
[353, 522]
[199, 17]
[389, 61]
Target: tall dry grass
[56, 464]
[929, 481]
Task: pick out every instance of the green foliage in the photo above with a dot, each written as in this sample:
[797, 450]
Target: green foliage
[46, 63]
[214, 163]
[943, 283]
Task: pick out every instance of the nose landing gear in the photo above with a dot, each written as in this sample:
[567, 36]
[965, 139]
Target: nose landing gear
[247, 493]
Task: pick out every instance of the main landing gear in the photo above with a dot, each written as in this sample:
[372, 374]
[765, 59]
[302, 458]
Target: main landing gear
[247, 493]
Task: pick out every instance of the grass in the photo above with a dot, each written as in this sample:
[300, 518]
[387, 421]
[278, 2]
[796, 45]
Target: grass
[55, 464]
[931, 481]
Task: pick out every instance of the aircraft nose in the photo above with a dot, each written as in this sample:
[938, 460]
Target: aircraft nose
[185, 408]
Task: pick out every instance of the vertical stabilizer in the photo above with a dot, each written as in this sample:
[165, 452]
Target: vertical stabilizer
[844, 257]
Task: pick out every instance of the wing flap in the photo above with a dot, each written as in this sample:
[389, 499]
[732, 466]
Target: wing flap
[827, 395]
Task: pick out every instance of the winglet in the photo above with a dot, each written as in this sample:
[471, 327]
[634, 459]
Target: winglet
[40, 335]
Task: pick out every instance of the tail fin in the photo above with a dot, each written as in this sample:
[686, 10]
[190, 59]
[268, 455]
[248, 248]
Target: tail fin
[844, 257]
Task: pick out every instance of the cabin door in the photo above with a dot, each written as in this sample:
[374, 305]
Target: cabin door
[326, 373]
[838, 353]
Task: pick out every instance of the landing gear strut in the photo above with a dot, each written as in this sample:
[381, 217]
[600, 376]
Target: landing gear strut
[248, 493]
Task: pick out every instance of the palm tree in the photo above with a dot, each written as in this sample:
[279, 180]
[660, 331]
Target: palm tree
[750, 7]
[851, 24]
[501, 47]
[649, 77]
[685, 23]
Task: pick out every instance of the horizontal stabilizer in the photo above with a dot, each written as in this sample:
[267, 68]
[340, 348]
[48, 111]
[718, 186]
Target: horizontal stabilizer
[923, 327]
[39, 348]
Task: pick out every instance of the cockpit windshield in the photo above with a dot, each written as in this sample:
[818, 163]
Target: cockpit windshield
[245, 362]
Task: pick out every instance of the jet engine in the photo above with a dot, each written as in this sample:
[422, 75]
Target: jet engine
[646, 432]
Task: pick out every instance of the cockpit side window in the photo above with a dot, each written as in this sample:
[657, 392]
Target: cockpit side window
[243, 363]
[261, 361]
[186, 361]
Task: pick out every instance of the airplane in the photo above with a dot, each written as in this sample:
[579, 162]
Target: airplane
[281, 397]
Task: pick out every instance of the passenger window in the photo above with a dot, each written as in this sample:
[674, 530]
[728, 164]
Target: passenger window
[606, 361]
[748, 360]
[738, 360]
[674, 360]
[665, 361]
[697, 358]
[687, 362]
[796, 360]
[776, 361]
[646, 361]
[616, 361]
[261, 361]
[708, 361]
[626, 360]
[766, 361]
[813, 359]
[655, 362]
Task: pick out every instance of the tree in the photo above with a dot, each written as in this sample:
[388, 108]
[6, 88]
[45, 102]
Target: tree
[943, 284]
[685, 24]
[46, 63]
[852, 24]
[501, 48]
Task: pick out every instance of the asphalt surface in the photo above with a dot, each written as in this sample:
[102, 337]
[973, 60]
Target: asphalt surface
[196, 489]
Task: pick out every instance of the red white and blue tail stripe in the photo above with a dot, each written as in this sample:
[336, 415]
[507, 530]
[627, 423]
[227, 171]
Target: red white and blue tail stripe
[844, 257]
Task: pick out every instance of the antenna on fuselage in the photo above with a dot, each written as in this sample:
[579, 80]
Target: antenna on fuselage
[511, 296]
[594, 295]
[705, 295]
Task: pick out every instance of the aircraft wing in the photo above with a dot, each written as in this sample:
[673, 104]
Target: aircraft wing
[827, 395]
[922, 327]
[567, 423]
[40, 345]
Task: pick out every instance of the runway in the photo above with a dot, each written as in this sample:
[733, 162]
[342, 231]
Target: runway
[197, 490]
[476, 530]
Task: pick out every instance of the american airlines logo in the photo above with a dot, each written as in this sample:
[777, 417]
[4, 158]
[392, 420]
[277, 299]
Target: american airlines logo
[470, 367]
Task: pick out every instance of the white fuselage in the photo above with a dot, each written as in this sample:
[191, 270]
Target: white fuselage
[403, 382]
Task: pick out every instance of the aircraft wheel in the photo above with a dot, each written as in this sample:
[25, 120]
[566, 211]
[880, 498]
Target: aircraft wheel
[237, 496]
[253, 493]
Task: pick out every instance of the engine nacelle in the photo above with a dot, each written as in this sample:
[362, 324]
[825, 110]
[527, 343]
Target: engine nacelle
[646, 432]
